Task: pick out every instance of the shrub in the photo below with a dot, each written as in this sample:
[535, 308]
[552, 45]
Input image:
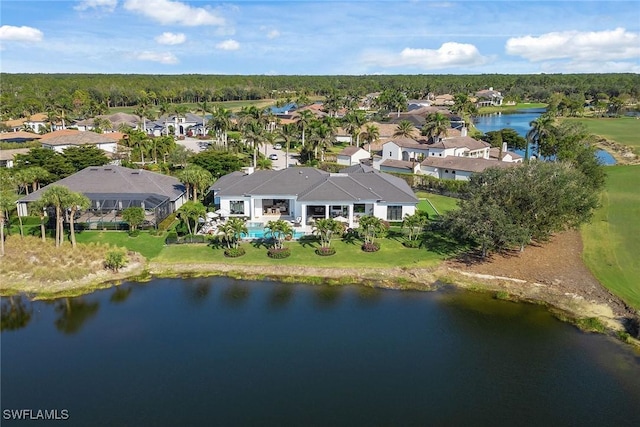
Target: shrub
[413, 244]
[115, 260]
[134, 233]
[278, 253]
[590, 324]
[234, 252]
[371, 247]
[325, 251]
[172, 237]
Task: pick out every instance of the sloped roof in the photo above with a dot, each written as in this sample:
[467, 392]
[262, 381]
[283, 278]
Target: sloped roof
[351, 150]
[310, 184]
[398, 164]
[119, 181]
[76, 137]
[19, 136]
[8, 154]
[460, 142]
[468, 164]
[494, 152]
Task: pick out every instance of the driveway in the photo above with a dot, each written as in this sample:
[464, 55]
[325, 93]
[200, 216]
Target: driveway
[193, 144]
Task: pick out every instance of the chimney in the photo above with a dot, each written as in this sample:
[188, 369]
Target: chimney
[463, 131]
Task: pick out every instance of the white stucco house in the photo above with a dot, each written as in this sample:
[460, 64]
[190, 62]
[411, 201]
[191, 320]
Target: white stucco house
[455, 157]
[352, 155]
[303, 195]
[62, 139]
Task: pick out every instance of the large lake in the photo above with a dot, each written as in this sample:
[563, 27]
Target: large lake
[520, 122]
[223, 352]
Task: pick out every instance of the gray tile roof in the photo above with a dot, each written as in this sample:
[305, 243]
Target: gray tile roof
[96, 180]
[309, 184]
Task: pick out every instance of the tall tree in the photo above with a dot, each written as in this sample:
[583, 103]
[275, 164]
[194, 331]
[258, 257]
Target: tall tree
[371, 135]
[436, 125]
[405, 129]
[541, 135]
[73, 203]
[304, 121]
[352, 122]
[192, 211]
[56, 196]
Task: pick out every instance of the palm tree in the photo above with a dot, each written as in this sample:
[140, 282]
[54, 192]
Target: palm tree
[221, 122]
[415, 224]
[56, 196]
[305, 119]
[321, 137]
[371, 135]
[326, 229]
[287, 133]
[540, 134]
[195, 178]
[405, 129]
[352, 123]
[253, 131]
[435, 126]
[192, 211]
[39, 208]
[370, 227]
[73, 203]
[204, 108]
[7, 202]
[279, 230]
[232, 231]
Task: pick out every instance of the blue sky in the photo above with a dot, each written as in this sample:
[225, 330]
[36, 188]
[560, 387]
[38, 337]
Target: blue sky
[319, 37]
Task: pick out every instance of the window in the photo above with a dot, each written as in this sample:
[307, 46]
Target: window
[358, 208]
[394, 213]
[236, 207]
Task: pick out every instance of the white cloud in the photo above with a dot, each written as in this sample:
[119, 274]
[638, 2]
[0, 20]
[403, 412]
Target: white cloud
[273, 34]
[161, 57]
[171, 38]
[107, 5]
[22, 34]
[605, 45]
[450, 54]
[174, 12]
[228, 45]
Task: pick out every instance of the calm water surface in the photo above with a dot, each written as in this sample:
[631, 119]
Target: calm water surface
[520, 122]
[232, 353]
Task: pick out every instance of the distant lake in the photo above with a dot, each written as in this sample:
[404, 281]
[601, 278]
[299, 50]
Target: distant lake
[218, 351]
[520, 122]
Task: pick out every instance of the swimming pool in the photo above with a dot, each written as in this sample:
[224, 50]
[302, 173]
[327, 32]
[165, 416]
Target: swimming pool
[256, 231]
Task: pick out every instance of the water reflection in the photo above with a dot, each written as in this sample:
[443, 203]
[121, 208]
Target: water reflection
[327, 296]
[197, 290]
[120, 294]
[73, 313]
[16, 312]
[280, 296]
[236, 293]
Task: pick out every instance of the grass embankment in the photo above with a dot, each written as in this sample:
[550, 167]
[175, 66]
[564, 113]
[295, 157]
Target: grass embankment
[612, 239]
[145, 244]
[622, 130]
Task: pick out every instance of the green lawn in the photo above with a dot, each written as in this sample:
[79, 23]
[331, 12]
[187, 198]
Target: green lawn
[441, 203]
[623, 130]
[612, 239]
[147, 245]
[348, 255]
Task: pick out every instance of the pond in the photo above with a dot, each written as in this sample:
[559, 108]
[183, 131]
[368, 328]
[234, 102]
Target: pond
[218, 351]
[520, 122]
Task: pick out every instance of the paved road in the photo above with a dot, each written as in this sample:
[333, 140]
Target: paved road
[193, 144]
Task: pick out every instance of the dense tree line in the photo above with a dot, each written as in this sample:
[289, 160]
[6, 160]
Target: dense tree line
[87, 94]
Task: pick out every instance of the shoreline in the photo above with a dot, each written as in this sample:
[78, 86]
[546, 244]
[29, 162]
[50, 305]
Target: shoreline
[567, 306]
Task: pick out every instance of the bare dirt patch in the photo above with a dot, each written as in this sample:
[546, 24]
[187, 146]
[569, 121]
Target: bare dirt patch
[555, 267]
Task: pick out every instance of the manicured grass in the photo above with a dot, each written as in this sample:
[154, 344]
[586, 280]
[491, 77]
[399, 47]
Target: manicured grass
[623, 130]
[612, 239]
[348, 255]
[147, 245]
[442, 203]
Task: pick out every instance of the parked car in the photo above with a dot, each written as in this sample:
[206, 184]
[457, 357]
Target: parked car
[277, 146]
[273, 156]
